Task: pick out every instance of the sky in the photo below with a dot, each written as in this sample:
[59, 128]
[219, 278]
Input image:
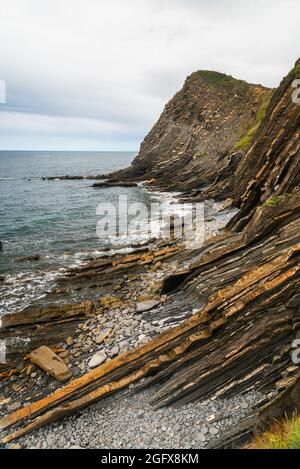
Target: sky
[96, 74]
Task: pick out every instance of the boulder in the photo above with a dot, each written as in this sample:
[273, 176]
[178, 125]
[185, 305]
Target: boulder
[48, 361]
[97, 359]
[146, 305]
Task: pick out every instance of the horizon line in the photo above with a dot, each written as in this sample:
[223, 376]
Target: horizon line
[72, 151]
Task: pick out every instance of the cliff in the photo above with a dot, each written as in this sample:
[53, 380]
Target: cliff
[198, 128]
[271, 167]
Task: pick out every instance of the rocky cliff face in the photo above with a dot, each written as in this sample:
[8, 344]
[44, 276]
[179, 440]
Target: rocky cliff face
[198, 128]
[271, 168]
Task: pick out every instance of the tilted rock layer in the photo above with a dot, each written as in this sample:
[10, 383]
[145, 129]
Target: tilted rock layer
[196, 131]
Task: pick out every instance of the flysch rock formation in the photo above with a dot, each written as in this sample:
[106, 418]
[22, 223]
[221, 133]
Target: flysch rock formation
[240, 292]
[196, 132]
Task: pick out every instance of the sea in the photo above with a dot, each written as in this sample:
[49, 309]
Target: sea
[55, 219]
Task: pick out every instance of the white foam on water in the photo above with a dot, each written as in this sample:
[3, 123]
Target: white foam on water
[22, 289]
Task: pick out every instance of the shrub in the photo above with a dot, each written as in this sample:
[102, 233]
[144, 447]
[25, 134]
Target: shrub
[282, 435]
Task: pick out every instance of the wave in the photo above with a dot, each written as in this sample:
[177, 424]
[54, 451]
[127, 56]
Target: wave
[20, 290]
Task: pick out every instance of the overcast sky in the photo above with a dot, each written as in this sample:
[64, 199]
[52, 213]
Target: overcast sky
[96, 74]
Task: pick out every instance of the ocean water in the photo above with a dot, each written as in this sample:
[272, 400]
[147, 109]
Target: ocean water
[55, 219]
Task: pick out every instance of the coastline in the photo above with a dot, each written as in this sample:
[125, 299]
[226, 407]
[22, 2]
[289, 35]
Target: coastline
[108, 321]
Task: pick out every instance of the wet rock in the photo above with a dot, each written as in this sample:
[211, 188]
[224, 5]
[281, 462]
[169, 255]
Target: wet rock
[35, 257]
[63, 178]
[101, 185]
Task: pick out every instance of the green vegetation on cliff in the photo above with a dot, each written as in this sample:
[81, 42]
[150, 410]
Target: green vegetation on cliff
[221, 80]
[273, 202]
[246, 139]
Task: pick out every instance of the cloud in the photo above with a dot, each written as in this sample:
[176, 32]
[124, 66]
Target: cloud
[98, 73]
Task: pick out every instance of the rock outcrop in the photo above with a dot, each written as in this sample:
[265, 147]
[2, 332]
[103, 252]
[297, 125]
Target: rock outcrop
[36, 314]
[272, 166]
[197, 130]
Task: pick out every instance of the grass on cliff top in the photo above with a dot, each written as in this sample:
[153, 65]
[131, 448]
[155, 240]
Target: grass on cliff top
[221, 80]
[282, 435]
[246, 139]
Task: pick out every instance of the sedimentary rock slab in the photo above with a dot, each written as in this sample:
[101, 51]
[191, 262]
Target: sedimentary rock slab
[37, 314]
[143, 306]
[46, 359]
